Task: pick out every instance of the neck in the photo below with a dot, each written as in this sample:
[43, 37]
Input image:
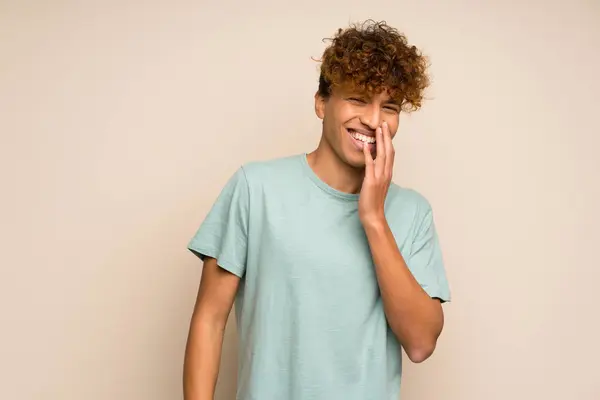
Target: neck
[334, 171]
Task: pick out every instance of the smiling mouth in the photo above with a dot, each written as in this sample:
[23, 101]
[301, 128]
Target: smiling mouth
[361, 137]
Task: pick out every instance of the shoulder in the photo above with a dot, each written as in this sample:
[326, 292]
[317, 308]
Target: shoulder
[407, 205]
[271, 165]
[407, 197]
[269, 171]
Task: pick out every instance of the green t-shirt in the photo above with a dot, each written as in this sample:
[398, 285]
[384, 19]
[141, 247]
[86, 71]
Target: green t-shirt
[309, 313]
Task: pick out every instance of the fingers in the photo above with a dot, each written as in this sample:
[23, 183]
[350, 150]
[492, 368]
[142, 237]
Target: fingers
[368, 161]
[389, 149]
[380, 147]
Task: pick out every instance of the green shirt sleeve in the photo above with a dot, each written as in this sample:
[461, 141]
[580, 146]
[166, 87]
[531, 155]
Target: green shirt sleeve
[426, 261]
[223, 234]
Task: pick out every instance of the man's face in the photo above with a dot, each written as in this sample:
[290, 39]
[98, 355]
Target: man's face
[350, 120]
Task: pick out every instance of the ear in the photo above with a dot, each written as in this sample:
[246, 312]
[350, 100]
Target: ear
[320, 105]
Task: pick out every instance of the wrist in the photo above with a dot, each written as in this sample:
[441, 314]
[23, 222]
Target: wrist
[375, 223]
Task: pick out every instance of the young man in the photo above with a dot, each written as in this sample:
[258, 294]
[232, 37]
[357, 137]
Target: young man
[333, 268]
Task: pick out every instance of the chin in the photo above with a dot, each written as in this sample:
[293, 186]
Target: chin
[355, 160]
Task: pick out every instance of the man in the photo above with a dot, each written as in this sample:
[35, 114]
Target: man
[333, 268]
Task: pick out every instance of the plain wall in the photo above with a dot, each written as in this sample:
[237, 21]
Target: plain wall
[121, 121]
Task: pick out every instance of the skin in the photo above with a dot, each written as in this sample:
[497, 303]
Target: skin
[215, 299]
[415, 318]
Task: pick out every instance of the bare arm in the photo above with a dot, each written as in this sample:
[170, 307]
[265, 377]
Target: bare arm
[215, 299]
[415, 318]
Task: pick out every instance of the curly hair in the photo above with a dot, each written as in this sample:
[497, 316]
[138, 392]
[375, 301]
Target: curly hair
[372, 57]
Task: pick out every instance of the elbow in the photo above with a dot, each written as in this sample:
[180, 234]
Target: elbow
[420, 353]
[419, 346]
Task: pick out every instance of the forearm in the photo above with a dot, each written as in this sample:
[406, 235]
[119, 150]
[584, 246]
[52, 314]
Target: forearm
[414, 317]
[202, 358]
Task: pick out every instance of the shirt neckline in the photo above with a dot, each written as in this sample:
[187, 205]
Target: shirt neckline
[322, 185]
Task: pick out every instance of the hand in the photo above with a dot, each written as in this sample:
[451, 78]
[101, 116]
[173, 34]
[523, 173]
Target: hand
[378, 177]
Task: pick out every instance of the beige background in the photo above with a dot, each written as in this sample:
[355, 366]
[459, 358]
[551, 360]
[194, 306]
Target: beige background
[121, 121]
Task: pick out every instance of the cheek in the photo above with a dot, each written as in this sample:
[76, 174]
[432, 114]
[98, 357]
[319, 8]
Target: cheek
[393, 128]
[331, 128]
[346, 113]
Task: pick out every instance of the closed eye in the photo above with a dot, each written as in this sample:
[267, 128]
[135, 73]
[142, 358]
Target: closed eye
[356, 100]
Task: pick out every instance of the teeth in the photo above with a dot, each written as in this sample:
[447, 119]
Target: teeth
[362, 138]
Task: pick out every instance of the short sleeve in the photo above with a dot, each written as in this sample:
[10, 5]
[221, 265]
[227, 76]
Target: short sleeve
[426, 261]
[223, 234]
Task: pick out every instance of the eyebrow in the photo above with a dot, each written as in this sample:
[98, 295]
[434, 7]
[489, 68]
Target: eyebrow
[370, 97]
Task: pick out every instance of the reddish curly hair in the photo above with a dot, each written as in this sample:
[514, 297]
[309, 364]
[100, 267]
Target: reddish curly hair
[372, 57]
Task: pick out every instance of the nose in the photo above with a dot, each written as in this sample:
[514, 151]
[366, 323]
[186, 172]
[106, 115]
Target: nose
[371, 116]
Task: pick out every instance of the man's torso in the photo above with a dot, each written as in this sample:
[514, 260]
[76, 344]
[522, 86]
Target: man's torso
[310, 318]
